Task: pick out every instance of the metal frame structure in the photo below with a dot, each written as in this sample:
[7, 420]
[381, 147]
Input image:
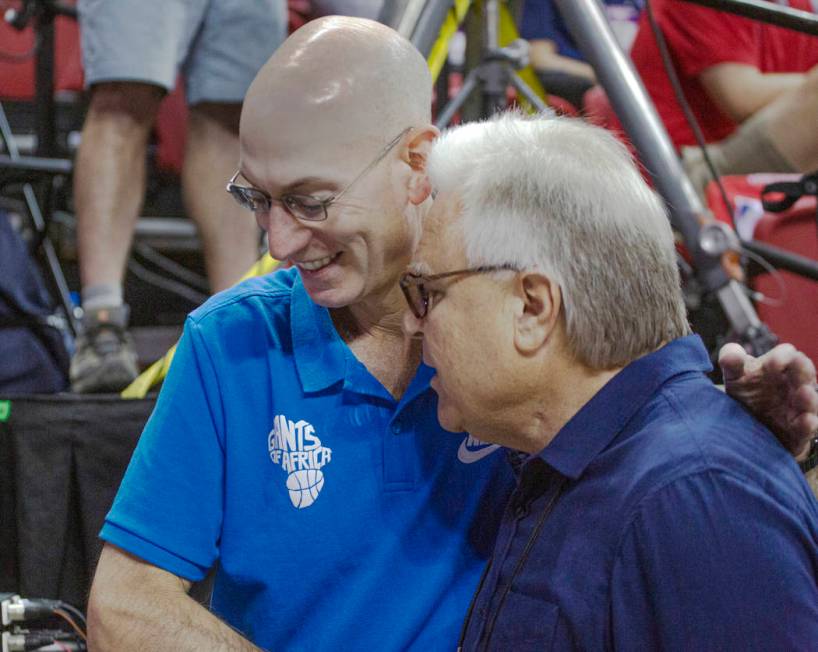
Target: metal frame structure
[783, 16]
[44, 168]
[591, 31]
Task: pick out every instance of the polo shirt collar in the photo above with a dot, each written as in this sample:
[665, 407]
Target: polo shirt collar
[594, 427]
[318, 351]
[322, 359]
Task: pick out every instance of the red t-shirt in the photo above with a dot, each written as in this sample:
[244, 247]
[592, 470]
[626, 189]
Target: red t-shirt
[699, 38]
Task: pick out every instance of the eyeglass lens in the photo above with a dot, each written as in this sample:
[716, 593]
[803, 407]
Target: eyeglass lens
[417, 298]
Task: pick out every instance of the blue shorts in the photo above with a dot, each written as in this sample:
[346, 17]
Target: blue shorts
[219, 45]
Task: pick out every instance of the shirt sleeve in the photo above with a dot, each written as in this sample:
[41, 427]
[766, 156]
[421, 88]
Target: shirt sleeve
[700, 38]
[168, 510]
[710, 562]
[540, 20]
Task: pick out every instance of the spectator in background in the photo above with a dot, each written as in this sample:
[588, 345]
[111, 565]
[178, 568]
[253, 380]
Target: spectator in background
[553, 52]
[753, 87]
[132, 54]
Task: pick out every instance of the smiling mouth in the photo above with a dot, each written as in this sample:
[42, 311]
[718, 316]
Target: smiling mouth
[319, 263]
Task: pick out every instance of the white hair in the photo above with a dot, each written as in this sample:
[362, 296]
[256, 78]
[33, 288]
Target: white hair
[565, 197]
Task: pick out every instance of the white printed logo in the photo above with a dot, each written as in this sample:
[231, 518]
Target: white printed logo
[295, 448]
[472, 449]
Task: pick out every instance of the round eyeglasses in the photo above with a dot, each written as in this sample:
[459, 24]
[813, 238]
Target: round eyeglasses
[302, 207]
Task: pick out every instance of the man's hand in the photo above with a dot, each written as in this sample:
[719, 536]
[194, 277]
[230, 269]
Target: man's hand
[779, 388]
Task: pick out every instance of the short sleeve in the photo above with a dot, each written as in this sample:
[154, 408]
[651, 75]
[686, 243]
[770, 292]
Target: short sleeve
[540, 20]
[168, 510]
[710, 562]
[700, 38]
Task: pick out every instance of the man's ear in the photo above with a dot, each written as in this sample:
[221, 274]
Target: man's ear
[417, 152]
[540, 302]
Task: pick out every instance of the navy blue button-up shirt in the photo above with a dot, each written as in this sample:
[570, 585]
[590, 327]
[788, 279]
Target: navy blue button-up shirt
[662, 516]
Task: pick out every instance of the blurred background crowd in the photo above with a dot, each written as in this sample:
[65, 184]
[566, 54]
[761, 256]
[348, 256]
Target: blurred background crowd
[140, 230]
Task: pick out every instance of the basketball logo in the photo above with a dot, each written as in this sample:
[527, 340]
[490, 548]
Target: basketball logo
[296, 448]
[304, 487]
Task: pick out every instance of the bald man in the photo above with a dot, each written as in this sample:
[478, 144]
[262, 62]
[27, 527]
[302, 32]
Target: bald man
[295, 441]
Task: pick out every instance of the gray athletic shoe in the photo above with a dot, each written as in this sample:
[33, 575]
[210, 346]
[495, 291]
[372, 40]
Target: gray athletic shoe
[105, 360]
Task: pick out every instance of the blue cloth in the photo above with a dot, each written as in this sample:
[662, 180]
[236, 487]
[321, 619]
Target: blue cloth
[33, 352]
[542, 20]
[661, 516]
[341, 519]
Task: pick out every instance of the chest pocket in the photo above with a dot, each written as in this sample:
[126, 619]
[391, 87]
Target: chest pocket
[525, 624]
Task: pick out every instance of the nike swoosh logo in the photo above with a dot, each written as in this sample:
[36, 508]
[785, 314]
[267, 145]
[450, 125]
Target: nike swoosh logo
[472, 450]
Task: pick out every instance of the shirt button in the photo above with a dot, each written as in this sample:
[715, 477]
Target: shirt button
[521, 510]
[397, 428]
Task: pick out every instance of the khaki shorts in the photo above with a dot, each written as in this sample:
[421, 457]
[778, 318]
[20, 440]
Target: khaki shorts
[218, 45]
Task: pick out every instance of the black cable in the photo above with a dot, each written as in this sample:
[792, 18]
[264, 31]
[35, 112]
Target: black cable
[74, 612]
[170, 266]
[670, 70]
[168, 285]
[198, 285]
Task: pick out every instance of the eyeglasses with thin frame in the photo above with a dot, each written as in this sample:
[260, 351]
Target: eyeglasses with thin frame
[302, 207]
[418, 296]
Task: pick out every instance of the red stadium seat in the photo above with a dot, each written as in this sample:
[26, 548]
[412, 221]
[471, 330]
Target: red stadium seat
[795, 320]
[562, 106]
[17, 77]
[598, 110]
[17, 83]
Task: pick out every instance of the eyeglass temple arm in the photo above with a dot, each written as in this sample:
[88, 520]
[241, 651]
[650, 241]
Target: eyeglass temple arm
[377, 160]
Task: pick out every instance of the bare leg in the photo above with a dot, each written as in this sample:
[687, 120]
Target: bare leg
[781, 137]
[109, 187]
[229, 233]
[109, 183]
[792, 123]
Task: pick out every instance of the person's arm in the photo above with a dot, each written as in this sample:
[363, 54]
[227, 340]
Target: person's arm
[779, 389]
[740, 90]
[135, 606]
[544, 56]
[711, 562]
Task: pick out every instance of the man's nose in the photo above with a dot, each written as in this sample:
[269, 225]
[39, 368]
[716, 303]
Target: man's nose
[286, 235]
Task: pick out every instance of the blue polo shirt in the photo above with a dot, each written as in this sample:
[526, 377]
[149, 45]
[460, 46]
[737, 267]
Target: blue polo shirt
[662, 516]
[340, 518]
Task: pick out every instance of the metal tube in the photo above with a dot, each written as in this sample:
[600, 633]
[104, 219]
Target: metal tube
[424, 28]
[795, 19]
[44, 87]
[492, 23]
[408, 20]
[624, 88]
[782, 259]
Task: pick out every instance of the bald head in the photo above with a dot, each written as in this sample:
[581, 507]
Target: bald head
[349, 80]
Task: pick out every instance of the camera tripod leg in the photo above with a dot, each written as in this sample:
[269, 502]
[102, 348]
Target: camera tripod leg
[453, 106]
[529, 94]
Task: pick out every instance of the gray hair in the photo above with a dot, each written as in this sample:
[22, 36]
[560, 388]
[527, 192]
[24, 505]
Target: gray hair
[565, 197]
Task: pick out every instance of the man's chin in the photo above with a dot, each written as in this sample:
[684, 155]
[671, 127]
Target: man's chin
[449, 418]
[333, 297]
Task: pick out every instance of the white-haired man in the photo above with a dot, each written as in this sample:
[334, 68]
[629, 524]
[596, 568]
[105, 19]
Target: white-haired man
[651, 511]
[295, 440]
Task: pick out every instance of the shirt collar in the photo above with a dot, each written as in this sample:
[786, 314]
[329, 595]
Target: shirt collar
[322, 359]
[318, 350]
[593, 428]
